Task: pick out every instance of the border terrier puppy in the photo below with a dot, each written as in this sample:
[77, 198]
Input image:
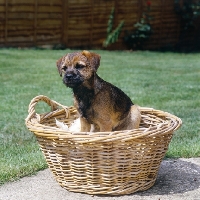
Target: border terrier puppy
[101, 105]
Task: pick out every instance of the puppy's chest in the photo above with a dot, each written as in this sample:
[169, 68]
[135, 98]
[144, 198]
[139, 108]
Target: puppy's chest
[84, 105]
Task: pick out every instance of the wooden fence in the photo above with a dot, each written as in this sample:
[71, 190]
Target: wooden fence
[82, 23]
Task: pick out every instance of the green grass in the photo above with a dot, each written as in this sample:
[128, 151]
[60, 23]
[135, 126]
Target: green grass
[165, 81]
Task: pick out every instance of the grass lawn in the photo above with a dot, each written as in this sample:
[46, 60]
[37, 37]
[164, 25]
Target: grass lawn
[165, 81]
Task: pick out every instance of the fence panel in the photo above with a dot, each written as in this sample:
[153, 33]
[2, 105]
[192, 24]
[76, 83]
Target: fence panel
[83, 23]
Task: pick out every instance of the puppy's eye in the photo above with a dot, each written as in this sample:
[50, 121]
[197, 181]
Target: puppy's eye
[64, 68]
[79, 66]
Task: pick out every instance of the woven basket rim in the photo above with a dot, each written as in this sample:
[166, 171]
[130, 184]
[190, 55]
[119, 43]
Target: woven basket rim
[34, 124]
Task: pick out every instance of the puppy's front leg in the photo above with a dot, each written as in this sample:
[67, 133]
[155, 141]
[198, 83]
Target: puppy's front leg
[85, 126]
[105, 126]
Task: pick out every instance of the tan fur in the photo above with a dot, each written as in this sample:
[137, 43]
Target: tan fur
[101, 105]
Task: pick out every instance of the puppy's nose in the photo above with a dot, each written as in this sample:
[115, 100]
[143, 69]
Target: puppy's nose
[69, 75]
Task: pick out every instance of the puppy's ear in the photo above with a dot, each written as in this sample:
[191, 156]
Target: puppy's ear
[93, 58]
[59, 65]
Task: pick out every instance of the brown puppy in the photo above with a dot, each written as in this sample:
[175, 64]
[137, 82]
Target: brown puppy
[101, 105]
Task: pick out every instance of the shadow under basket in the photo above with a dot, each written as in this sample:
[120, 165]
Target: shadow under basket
[114, 163]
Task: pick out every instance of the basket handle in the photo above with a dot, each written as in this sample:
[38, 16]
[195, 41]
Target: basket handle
[54, 106]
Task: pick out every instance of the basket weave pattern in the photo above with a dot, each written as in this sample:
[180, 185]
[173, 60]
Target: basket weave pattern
[115, 163]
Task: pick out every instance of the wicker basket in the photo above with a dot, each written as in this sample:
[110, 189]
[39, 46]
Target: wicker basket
[115, 163]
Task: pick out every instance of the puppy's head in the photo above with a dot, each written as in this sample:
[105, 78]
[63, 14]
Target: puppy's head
[78, 67]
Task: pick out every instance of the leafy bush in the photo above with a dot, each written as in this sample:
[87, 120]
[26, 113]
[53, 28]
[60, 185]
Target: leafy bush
[189, 11]
[112, 35]
[136, 38]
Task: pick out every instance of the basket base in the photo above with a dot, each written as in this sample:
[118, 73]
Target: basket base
[122, 189]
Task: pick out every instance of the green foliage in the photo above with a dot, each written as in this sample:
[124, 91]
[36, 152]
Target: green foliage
[110, 22]
[112, 35]
[135, 39]
[189, 12]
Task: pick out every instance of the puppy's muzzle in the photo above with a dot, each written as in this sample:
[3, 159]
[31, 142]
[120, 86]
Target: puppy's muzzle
[70, 76]
[72, 79]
